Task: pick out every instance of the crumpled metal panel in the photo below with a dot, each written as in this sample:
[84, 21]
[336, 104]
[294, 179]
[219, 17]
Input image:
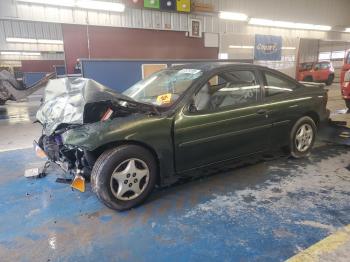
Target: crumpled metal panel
[65, 100]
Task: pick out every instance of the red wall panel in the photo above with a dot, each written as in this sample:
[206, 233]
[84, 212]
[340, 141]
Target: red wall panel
[75, 45]
[40, 65]
[122, 43]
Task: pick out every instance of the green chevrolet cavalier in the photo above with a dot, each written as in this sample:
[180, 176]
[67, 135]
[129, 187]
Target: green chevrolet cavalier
[173, 124]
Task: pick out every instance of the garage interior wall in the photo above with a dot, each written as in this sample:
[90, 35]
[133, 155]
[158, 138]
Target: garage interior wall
[35, 30]
[333, 51]
[110, 42]
[230, 43]
[40, 65]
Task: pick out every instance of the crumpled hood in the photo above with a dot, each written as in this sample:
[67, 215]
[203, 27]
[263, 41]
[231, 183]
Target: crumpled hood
[65, 101]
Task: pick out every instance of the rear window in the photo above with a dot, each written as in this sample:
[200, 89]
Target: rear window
[322, 65]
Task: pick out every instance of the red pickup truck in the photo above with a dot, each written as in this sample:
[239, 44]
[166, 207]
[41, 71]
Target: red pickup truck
[316, 72]
[345, 79]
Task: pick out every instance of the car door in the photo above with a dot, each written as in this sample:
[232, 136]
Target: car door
[318, 72]
[225, 119]
[284, 104]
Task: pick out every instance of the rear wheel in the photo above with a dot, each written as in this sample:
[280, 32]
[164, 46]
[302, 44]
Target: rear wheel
[329, 80]
[308, 79]
[302, 137]
[124, 177]
[347, 102]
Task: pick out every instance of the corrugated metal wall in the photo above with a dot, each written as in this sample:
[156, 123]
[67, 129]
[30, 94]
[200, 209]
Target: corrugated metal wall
[36, 30]
[311, 11]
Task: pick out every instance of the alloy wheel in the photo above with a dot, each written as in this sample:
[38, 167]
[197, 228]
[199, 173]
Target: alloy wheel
[304, 137]
[129, 179]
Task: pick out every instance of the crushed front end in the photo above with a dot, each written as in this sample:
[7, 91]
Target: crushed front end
[78, 108]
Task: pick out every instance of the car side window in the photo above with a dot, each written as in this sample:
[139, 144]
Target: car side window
[348, 59]
[324, 66]
[275, 85]
[229, 88]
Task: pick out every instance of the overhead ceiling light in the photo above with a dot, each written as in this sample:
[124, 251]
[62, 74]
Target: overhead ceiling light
[33, 41]
[288, 48]
[66, 3]
[99, 5]
[223, 56]
[31, 53]
[241, 46]
[49, 41]
[10, 53]
[347, 30]
[285, 24]
[20, 53]
[21, 40]
[233, 16]
[84, 4]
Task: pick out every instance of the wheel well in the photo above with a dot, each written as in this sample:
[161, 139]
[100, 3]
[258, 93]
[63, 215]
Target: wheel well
[314, 117]
[309, 77]
[98, 151]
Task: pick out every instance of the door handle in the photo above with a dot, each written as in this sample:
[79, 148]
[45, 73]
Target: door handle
[261, 112]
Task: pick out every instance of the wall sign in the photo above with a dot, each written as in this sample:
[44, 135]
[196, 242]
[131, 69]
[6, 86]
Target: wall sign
[134, 3]
[168, 5]
[268, 47]
[183, 6]
[195, 28]
[151, 4]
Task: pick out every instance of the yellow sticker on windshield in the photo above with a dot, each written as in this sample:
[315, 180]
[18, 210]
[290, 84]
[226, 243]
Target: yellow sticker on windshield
[164, 99]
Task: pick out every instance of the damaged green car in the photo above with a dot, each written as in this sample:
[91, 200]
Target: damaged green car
[172, 124]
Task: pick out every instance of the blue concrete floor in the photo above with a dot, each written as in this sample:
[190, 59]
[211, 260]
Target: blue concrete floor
[264, 212]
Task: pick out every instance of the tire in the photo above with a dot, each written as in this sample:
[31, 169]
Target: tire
[308, 79]
[297, 150]
[330, 79]
[116, 161]
[347, 102]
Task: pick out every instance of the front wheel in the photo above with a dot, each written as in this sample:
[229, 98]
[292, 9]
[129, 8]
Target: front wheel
[124, 177]
[329, 80]
[302, 137]
[347, 102]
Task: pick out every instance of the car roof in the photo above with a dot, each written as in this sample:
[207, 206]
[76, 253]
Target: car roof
[210, 66]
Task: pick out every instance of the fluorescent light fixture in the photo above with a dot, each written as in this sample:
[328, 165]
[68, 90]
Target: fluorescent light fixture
[21, 40]
[223, 55]
[49, 41]
[33, 41]
[233, 16]
[31, 53]
[347, 30]
[20, 53]
[10, 53]
[84, 4]
[241, 46]
[99, 5]
[291, 25]
[288, 48]
[66, 3]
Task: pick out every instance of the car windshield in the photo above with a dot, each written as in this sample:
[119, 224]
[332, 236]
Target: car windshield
[164, 87]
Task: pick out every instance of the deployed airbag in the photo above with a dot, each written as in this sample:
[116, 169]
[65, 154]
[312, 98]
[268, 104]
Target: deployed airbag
[66, 100]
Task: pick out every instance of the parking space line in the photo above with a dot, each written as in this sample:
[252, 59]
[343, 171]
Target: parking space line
[326, 246]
